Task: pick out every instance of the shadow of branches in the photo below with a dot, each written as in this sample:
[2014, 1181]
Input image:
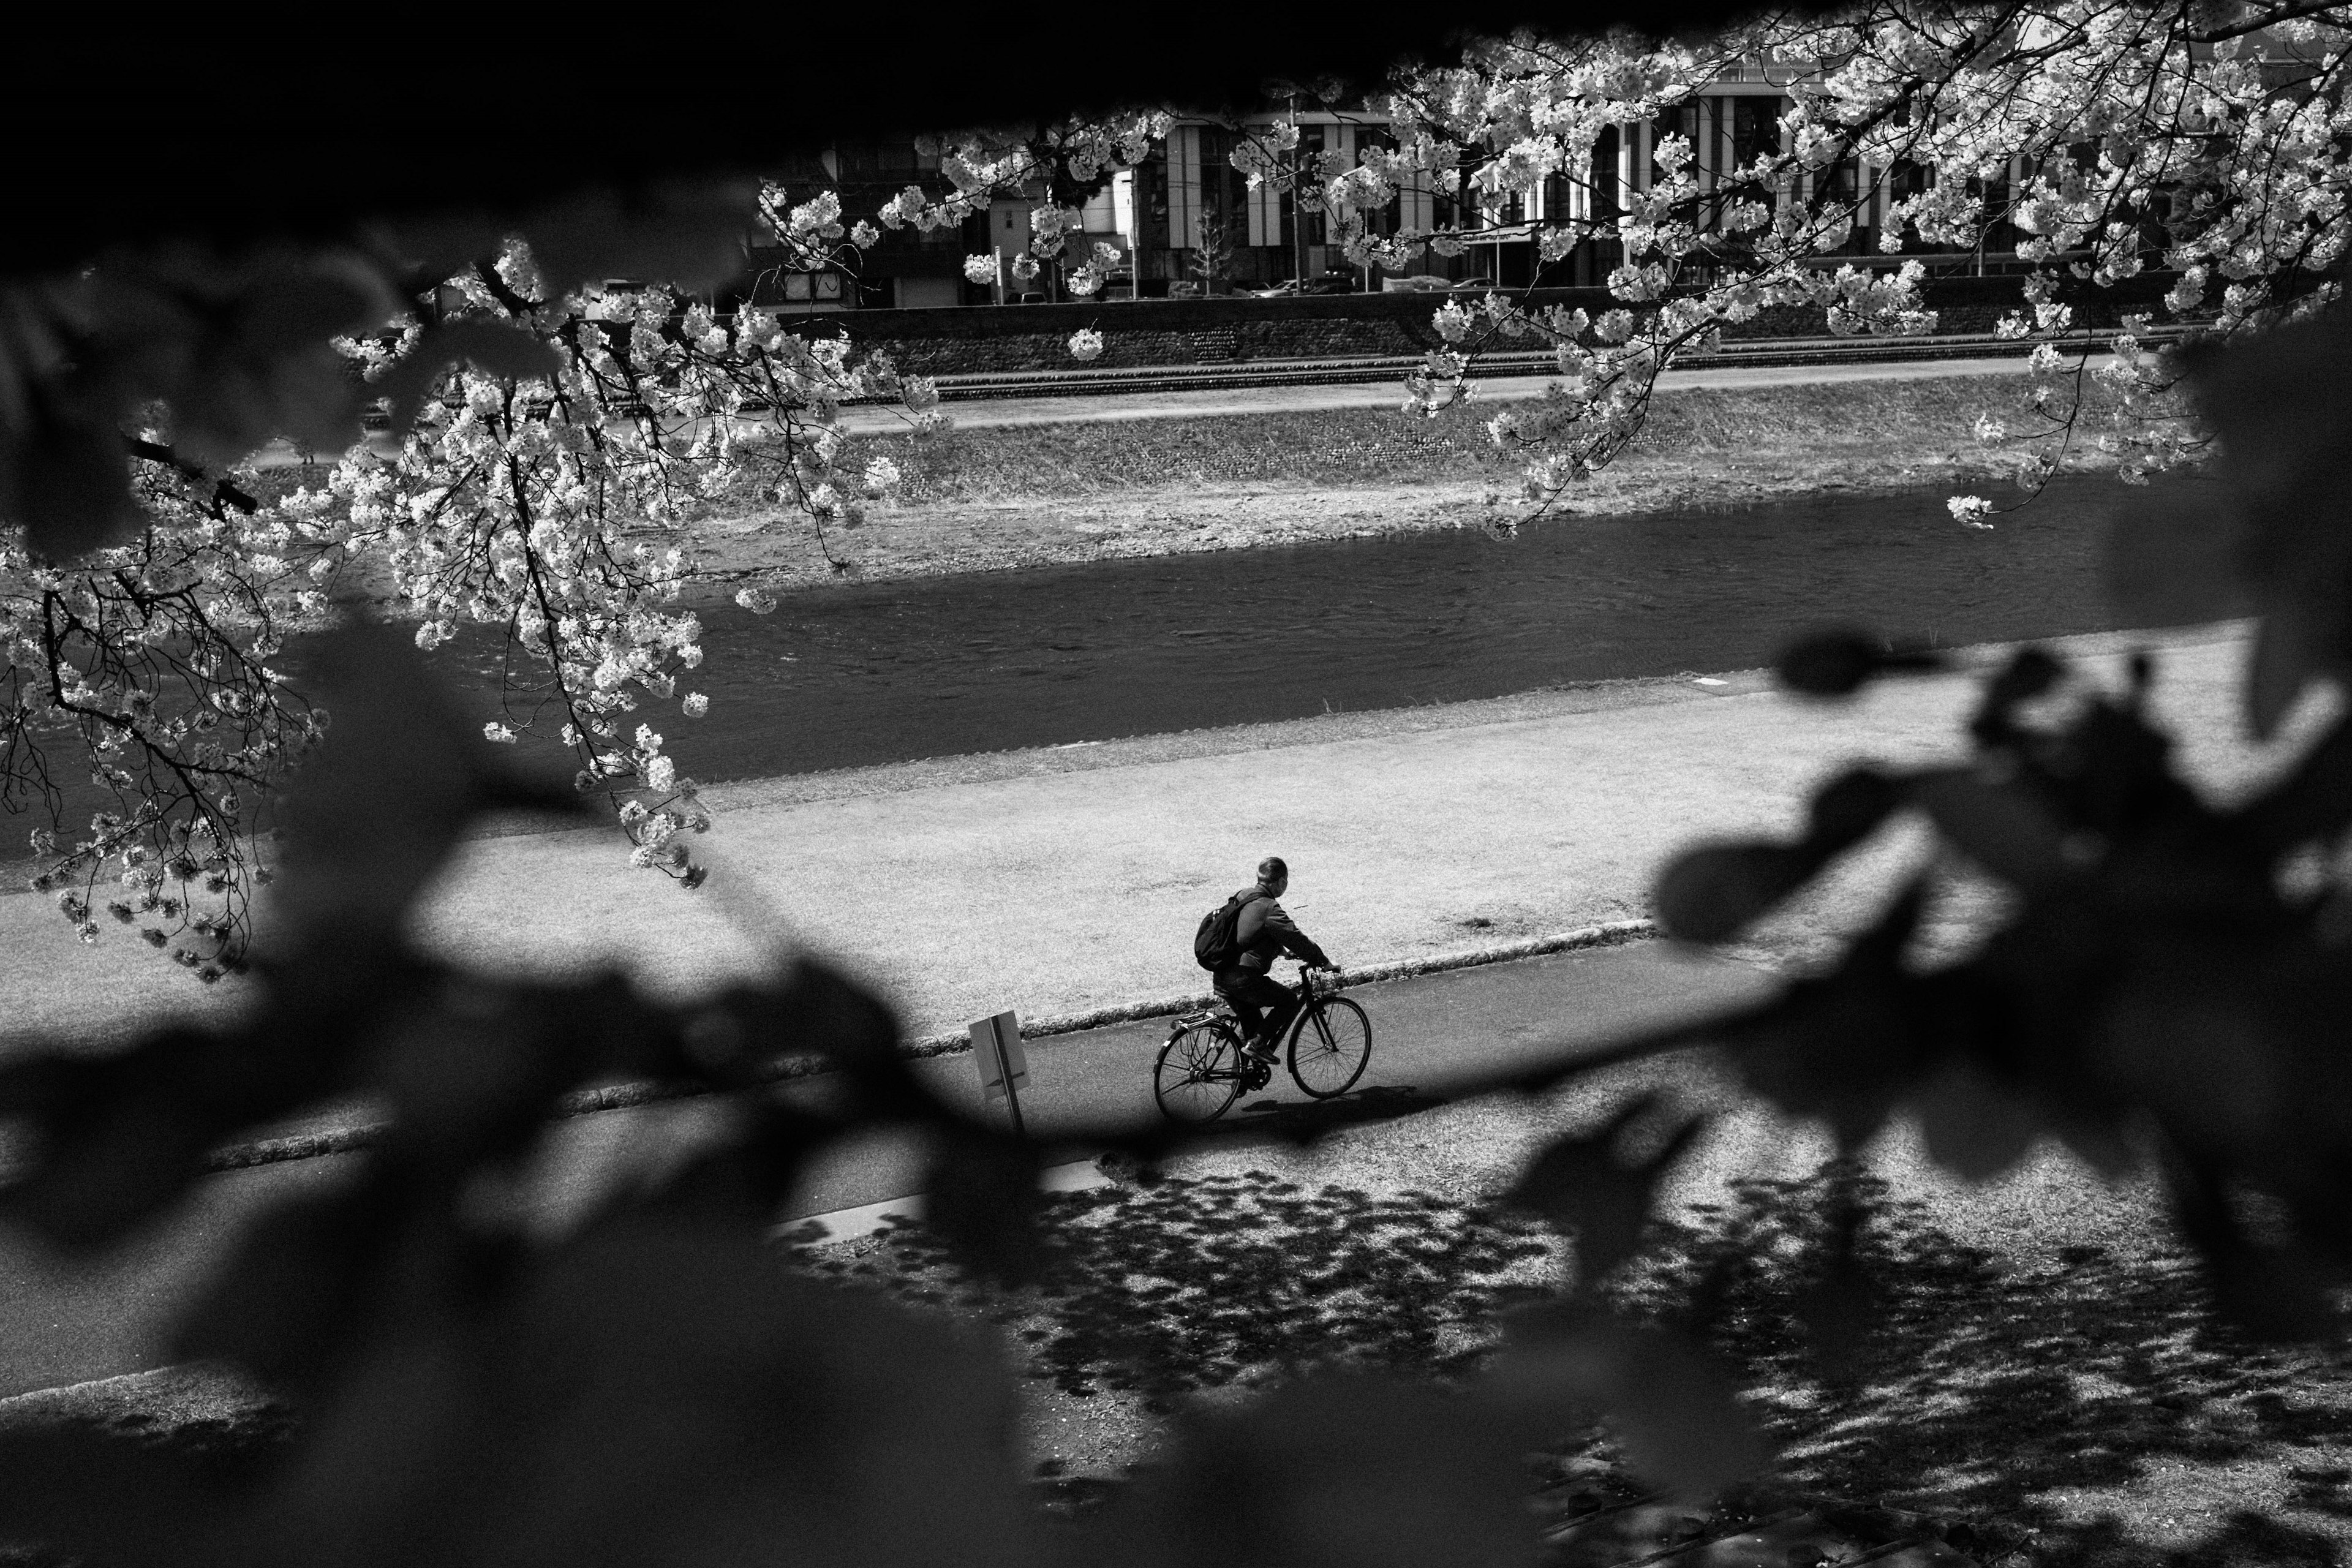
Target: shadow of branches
[1195, 1283]
[2075, 1407]
[1302, 1122]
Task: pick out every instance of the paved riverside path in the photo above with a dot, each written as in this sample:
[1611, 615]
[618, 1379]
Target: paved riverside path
[1102, 406]
[1431, 1034]
[1069, 879]
[1413, 1123]
[997, 413]
[1066, 879]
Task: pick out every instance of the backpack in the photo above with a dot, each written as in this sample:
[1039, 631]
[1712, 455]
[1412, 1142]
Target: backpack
[1213, 945]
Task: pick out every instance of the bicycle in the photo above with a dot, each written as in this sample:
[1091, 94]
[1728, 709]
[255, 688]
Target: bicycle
[1203, 1069]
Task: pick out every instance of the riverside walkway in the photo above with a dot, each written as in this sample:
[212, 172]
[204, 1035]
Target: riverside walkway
[1067, 881]
[1110, 405]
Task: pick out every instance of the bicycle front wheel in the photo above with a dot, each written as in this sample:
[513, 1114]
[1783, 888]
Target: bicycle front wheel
[1198, 1075]
[1330, 1046]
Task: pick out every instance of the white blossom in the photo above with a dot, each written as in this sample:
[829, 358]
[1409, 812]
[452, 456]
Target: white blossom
[1972, 511]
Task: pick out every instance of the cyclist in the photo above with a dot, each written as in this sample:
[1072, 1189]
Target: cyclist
[1263, 933]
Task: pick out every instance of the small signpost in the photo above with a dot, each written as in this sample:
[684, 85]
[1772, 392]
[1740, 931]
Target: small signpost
[1003, 1070]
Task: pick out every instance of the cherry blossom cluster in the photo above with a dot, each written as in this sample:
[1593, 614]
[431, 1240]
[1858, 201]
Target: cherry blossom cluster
[149, 667]
[555, 508]
[2210, 139]
[554, 447]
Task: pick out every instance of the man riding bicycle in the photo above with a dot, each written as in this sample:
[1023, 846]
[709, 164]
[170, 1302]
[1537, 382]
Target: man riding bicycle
[1262, 933]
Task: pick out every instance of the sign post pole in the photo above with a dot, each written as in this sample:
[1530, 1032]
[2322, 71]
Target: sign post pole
[1003, 1068]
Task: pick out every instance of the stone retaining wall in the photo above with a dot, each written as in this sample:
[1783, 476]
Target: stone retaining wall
[1002, 340]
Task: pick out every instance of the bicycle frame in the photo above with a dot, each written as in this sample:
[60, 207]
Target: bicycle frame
[1247, 1073]
[1304, 990]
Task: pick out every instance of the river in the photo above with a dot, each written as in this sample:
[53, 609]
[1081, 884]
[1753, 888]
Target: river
[857, 674]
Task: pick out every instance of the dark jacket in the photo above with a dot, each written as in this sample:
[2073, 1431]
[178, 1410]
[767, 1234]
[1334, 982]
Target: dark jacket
[1264, 934]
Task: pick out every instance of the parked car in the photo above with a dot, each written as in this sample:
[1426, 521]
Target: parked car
[1481, 284]
[1333, 281]
[1415, 283]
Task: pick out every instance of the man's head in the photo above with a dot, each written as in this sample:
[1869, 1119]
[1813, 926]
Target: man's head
[1274, 874]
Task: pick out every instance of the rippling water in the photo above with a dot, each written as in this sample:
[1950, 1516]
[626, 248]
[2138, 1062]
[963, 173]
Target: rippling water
[881, 672]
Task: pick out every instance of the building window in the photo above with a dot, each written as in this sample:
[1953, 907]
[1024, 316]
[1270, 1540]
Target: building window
[877, 161]
[1390, 218]
[1754, 128]
[812, 286]
[1683, 120]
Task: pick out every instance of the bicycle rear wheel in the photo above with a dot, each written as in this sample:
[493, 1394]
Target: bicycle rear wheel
[1198, 1075]
[1330, 1046]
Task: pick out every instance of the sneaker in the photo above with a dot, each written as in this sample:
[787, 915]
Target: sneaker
[1260, 1050]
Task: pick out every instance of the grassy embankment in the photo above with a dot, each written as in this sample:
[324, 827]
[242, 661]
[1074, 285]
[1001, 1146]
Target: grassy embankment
[1020, 496]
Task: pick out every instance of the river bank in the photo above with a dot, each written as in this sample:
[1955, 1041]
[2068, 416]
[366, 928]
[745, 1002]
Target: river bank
[1015, 496]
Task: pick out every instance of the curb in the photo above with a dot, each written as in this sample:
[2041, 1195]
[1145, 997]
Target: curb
[621, 1095]
[1608, 934]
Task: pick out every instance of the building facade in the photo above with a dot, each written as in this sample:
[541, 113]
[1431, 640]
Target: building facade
[1189, 223]
[909, 267]
[1198, 205]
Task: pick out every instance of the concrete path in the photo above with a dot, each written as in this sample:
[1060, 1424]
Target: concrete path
[984, 413]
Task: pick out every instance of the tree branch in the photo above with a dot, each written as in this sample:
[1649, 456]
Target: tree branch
[156, 452]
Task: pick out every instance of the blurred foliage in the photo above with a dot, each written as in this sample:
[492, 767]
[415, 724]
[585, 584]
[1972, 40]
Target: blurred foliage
[2173, 984]
[643, 1376]
[646, 1378]
[239, 341]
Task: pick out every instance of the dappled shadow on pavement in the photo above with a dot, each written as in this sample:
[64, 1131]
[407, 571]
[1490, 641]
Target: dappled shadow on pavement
[2082, 1408]
[1194, 1283]
[1304, 1120]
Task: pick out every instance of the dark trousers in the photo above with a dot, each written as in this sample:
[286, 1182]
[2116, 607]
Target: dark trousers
[1262, 1004]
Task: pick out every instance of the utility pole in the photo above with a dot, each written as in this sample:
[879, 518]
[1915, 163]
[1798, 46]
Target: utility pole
[1297, 199]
